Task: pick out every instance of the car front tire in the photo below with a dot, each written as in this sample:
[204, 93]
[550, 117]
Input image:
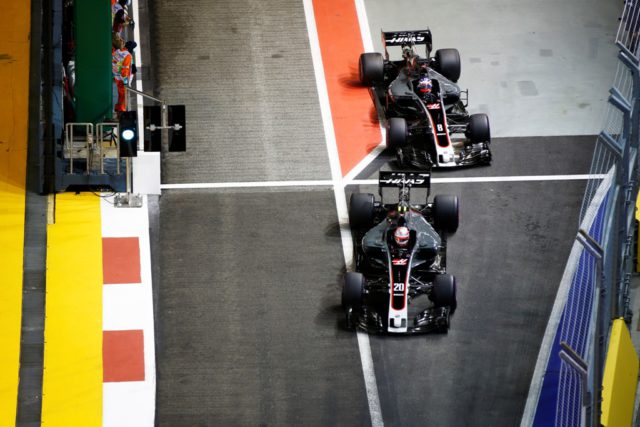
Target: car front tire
[446, 213]
[478, 129]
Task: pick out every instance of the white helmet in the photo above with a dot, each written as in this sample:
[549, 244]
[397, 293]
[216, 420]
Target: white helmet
[401, 236]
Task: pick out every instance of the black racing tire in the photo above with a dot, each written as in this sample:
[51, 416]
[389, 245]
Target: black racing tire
[361, 210]
[478, 129]
[371, 68]
[353, 291]
[446, 213]
[448, 63]
[397, 133]
[444, 292]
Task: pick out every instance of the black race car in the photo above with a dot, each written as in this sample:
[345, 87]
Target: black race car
[426, 130]
[401, 287]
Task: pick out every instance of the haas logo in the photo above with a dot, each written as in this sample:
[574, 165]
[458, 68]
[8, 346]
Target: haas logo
[399, 261]
[413, 181]
[405, 39]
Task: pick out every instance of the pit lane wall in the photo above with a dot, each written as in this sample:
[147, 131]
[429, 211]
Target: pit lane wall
[586, 372]
[555, 392]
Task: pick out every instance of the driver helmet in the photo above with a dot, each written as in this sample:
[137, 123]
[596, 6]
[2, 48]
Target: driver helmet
[401, 236]
[425, 85]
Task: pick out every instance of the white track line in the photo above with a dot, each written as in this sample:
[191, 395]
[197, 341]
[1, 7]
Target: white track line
[365, 31]
[368, 370]
[341, 183]
[319, 183]
[484, 179]
[367, 42]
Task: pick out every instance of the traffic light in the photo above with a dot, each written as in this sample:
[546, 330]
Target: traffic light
[128, 134]
[152, 139]
[177, 138]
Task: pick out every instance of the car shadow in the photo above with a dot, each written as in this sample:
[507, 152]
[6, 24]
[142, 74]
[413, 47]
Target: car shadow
[351, 79]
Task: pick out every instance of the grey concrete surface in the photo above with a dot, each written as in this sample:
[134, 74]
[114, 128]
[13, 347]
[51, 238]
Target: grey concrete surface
[537, 68]
[29, 404]
[243, 69]
[33, 301]
[508, 257]
[248, 330]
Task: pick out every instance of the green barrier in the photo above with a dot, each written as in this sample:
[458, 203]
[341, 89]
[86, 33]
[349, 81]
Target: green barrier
[620, 378]
[93, 87]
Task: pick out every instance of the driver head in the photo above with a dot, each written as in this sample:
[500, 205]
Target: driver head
[401, 236]
[425, 85]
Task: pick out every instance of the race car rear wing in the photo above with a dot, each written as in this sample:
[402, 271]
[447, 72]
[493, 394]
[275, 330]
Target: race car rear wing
[404, 181]
[404, 38]
[399, 38]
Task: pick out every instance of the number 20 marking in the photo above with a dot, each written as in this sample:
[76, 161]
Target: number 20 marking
[398, 287]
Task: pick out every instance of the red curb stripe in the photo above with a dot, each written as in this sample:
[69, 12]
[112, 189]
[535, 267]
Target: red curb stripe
[123, 356]
[355, 120]
[121, 260]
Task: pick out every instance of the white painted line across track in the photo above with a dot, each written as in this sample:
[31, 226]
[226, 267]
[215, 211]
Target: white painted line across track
[341, 183]
[484, 179]
[190, 186]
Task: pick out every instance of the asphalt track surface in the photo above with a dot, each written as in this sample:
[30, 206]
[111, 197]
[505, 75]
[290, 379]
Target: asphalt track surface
[247, 281]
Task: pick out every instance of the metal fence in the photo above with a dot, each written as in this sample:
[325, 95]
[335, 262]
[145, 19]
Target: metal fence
[600, 288]
[566, 389]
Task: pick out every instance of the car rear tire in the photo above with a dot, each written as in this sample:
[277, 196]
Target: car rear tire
[397, 133]
[478, 129]
[353, 291]
[361, 210]
[448, 63]
[446, 213]
[444, 292]
[371, 68]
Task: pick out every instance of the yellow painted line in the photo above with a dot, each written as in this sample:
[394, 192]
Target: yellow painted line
[72, 382]
[620, 378]
[15, 24]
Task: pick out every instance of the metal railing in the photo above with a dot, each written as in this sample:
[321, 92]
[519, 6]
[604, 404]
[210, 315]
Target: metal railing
[600, 288]
[86, 142]
[78, 148]
[595, 286]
